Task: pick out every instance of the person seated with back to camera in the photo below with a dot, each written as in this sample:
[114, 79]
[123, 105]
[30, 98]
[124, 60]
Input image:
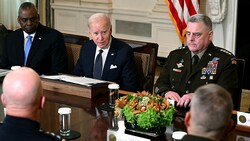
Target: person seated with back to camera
[210, 114]
[180, 76]
[117, 57]
[23, 99]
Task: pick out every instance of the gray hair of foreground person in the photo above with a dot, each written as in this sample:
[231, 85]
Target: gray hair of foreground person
[210, 112]
[22, 94]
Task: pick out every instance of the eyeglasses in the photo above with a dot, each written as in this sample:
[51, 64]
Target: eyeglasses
[24, 20]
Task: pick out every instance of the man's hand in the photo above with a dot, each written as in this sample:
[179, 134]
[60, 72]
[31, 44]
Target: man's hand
[185, 100]
[172, 95]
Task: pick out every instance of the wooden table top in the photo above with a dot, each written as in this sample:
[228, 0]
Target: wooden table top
[93, 122]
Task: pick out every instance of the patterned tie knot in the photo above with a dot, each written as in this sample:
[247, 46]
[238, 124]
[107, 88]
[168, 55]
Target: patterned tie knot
[100, 51]
[29, 37]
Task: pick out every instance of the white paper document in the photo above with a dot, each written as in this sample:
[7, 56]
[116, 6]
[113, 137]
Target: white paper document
[74, 79]
[3, 72]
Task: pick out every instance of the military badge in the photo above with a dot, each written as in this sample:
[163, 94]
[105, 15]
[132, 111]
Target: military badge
[203, 77]
[176, 70]
[179, 65]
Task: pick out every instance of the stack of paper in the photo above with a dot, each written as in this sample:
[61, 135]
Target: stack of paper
[74, 79]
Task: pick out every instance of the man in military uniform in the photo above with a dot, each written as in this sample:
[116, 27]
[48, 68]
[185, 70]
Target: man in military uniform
[198, 63]
[22, 97]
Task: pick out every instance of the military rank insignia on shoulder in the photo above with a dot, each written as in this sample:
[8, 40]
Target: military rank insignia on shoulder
[52, 134]
[181, 47]
[225, 51]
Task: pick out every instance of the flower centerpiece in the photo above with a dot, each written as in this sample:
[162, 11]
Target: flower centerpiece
[145, 112]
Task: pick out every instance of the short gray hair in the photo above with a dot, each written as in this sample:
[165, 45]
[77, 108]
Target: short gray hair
[211, 107]
[201, 18]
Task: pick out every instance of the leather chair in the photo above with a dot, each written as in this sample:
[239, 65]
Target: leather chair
[73, 45]
[240, 70]
[145, 59]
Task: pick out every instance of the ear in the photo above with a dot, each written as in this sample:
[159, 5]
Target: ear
[38, 17]
[42, 102]
[187, 119]
[3, 100]
[211, 35]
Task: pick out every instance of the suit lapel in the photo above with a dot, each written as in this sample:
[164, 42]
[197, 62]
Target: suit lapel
[20, 46]
[109, 60]
[187, 62]
[35, 44]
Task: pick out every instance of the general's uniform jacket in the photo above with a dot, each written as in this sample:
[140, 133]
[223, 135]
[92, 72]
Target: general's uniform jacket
[215, 66]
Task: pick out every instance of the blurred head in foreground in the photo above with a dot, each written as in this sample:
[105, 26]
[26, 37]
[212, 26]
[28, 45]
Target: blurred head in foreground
[210, 112]
[22, 94]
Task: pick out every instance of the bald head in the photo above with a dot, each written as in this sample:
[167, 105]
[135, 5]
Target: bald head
[22, 90]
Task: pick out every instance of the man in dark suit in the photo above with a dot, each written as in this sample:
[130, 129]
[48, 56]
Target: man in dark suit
[179, 78]
[117, 57]
[47, 54]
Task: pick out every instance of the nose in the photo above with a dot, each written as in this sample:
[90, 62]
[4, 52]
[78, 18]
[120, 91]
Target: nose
[29, 22]
[190, 37]
[100, 36]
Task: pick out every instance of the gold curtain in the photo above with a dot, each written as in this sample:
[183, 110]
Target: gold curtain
[44, 9]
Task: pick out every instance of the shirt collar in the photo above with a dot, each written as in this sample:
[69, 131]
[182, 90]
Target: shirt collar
[26, 34]
[200, 54]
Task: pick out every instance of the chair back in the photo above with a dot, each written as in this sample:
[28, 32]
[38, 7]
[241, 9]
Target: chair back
[73, 45]
[145, 55]
[240, 71]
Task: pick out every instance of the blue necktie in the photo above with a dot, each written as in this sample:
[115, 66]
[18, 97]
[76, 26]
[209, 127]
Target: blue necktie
[97, 74]
[27, 48]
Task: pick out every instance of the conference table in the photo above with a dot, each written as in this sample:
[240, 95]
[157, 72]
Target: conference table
[91, 120]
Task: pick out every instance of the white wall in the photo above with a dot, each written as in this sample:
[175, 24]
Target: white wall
[71, 17]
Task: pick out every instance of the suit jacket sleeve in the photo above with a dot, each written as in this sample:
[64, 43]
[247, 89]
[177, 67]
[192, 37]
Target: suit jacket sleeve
[129, 74]
[59, 56]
